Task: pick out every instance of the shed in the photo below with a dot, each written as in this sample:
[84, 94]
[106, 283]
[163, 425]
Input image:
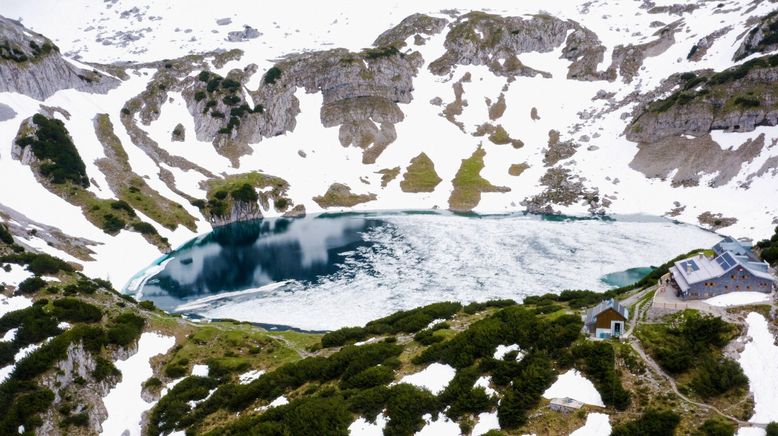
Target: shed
[565, 405]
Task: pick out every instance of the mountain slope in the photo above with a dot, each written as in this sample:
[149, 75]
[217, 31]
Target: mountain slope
[543, 97]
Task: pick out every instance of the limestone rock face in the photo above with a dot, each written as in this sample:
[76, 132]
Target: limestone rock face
[763, 38]
[478, 38]
[361, 92]
[31, 64]
[732, 100]
[241, 211]
[416, 24]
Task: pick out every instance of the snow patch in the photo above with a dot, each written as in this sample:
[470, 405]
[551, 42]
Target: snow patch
[250, 376]
[759, 360]
[200, 370]
[124, 403]
[486, 421]
[573, 384]
[362, 427]
[434, 378]
[738, 299]
[597, 424]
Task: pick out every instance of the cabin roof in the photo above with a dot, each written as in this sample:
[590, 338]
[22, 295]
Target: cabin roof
[593, 313]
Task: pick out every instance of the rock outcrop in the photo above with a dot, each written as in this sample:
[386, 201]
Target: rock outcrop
[762, 38]
[31, 64]
[361, 93]
[737, 99]
[479, 38]
[412, 25]
[340, 195]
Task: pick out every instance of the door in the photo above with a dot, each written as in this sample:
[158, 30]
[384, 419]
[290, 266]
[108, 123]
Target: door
[617, 329]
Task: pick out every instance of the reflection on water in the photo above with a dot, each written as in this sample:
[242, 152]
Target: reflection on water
[333, 270]
[253, 254]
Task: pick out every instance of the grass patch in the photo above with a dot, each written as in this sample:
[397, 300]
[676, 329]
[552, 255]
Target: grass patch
[420, 176]
[468, 183]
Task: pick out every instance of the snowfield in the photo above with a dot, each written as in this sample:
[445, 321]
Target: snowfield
[759, 360]
[574, 385]
[124, 403]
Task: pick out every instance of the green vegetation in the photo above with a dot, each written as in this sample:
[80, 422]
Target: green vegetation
[76, 310]
[52, 146]
[340, 195]
[39, 264]
[381, 52]
[652, 422]
[420, 176]
[597, 361]
[690, 343]
[772, 429]
[272, 76]
[173, 406]
[407, 321]
[222, 193]
[31, 285]
[5, 235]
[716, 426]
[768, 249]
[468, 183]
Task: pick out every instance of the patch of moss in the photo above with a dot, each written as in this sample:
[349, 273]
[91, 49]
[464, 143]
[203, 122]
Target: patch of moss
[420, 176]
[340, 195]
[468, 183]
[516, 169]
[388, 174]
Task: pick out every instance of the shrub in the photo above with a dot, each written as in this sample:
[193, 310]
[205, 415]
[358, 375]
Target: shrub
[144, 228]
[78, 420]
[473, 308]
[75, 310]
[52, 145]
[231, 100]
[204, 76]
[125, 329]
[213, 84]
[5, 235]
[112, 224]
[147, 305]
[716, 427]
[31, 285]
[122, 205]
[536, 376]
[199, 95]
[172, 407]
[463, 398]
[772, 429]
[104, 369]
[245, 193]
[598, 362]
[272, 76]
[653, 422]
[231, 85]
[405, 407]
[716, 376]
[370, 377]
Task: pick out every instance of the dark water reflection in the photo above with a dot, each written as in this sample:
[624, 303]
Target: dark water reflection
[253, 254]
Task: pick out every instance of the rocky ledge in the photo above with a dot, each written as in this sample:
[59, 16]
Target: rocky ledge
[31, 64]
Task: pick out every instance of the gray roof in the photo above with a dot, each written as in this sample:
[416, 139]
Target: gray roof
[735, 246]
[701, 268]
[592, 313]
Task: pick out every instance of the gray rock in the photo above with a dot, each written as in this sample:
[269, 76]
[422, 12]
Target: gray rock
[760, 39]
[31, 64]
[224, 21]
[246, 34]
[412, 25]
[6, 112]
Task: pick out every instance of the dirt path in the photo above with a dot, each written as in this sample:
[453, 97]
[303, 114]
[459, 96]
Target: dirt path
[635, 343]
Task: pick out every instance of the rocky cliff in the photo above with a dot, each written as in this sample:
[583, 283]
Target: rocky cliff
[31, 64]
[737, 99]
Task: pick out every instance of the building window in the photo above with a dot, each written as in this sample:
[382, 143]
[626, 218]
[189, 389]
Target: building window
[726, 286]
[732, 277]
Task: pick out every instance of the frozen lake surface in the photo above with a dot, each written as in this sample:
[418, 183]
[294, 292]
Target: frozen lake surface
[328, 271]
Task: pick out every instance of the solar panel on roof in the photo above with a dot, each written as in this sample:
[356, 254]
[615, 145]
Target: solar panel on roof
[725, 261]
[689, 264]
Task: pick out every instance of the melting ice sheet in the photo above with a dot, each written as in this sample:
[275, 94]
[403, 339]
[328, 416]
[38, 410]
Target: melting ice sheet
[330, 271]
